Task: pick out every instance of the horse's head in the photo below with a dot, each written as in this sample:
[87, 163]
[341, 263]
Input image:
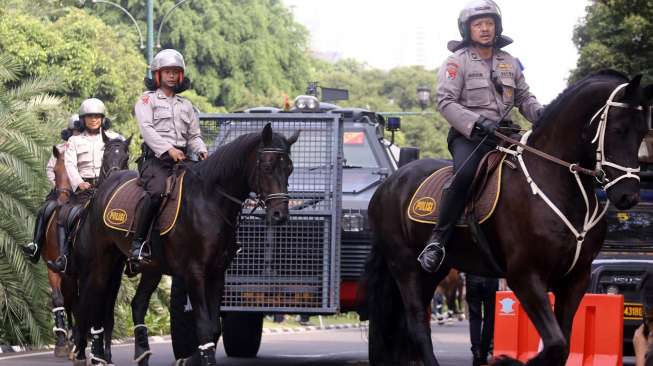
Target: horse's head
[273, 167]
[622, 126]
[61, 182]
[115, 157]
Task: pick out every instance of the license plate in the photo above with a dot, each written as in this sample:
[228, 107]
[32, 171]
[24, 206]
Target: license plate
[633, 311]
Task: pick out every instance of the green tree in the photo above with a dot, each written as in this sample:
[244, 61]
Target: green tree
[238, 53]
[615, 34]
[89, 57]
[27, 119]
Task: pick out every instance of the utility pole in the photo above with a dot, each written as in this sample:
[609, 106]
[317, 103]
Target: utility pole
[150, 35]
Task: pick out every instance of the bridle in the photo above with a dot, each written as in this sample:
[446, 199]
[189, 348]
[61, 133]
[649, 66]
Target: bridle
[262, 201]
[600, 149]
[259, 200]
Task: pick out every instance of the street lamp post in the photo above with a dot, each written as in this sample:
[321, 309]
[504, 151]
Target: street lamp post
[424, 96]
[150, 27]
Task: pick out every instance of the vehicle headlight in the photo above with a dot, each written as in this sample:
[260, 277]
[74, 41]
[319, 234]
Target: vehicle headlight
[612, 290]
[353, 222]
[307, 103]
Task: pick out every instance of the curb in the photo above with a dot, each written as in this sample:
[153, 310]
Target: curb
[313, 328]
[11, 349]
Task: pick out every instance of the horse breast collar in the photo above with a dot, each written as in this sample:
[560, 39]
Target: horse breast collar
[590, 220]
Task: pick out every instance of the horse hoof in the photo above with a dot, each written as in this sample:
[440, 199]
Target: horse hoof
[61, 351]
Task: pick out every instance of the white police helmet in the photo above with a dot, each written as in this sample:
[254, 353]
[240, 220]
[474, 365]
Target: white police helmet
[168, 58]
[92, 106]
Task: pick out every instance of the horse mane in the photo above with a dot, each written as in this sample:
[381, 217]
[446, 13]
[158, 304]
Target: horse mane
[228, 159]
[553, 107]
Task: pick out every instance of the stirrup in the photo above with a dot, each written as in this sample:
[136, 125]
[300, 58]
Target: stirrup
[144, 253]
[55, 265]
[431, 247]
[30, 249]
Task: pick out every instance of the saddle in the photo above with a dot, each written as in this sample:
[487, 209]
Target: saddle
[124, 206]
[486, 188]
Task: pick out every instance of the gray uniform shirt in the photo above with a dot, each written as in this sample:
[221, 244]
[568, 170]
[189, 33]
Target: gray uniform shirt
[49, 169]
[83, 156]
[466, 91]
[168, 121]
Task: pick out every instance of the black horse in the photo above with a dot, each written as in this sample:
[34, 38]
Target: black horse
[532, 246]
[200, 246]
[114, 158]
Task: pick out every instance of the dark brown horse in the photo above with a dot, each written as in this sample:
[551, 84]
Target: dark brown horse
[200, 246]
[451, 290]
[63, 288]
[602, 115]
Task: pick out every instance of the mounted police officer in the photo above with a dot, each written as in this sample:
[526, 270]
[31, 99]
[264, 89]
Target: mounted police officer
[83, 160]
[475, 87]
[33, 249]
[170, 130]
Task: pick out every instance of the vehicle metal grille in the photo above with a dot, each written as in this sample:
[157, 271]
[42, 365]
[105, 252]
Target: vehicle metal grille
[291, 268]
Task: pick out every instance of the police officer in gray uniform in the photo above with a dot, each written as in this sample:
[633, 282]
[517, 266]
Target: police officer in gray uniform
[33, 249]
[83, 160]
[476, 84]
[170, 129]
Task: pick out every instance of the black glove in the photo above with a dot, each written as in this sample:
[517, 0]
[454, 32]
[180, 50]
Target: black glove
[485, 126]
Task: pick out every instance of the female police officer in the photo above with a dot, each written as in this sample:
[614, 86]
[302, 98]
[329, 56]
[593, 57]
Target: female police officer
[475, 87]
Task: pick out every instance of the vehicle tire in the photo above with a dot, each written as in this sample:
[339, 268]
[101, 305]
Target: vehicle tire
[241, 334]
[182, 324]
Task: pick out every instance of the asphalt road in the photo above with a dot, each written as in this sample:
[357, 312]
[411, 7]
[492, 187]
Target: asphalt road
[343, 347]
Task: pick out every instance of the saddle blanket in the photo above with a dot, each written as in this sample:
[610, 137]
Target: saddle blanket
[424, 205]
[125, 203]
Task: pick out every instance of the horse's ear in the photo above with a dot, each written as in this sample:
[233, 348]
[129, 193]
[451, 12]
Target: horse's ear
[105, 138]
[292, 139]
[129, 140]
[55, 151]
[266, 135]
[647, 95]
[632, 88]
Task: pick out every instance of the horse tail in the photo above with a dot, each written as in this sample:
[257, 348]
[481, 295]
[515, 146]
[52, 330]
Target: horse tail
[381, 304]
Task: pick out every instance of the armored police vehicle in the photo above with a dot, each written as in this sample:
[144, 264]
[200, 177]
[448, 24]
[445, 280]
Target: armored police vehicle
[311, 264]
[628, 249]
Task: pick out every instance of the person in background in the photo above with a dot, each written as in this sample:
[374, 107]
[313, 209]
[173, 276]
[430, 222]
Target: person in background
[480, 296]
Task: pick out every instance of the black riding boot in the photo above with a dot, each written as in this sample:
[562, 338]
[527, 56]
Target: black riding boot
[139, 253]
[33, 249]
[61, 263]
[451, 208]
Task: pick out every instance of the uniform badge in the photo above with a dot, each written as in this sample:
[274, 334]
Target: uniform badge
[503, 66]
[452, 71]
[145, 99]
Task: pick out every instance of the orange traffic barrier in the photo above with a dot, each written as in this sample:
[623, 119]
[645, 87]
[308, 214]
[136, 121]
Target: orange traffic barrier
[596, 337]
[598, 331]
[514, 334]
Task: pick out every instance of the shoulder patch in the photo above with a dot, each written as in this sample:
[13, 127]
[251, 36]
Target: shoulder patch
[452, 70]
[145, 99]
[521, 66]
